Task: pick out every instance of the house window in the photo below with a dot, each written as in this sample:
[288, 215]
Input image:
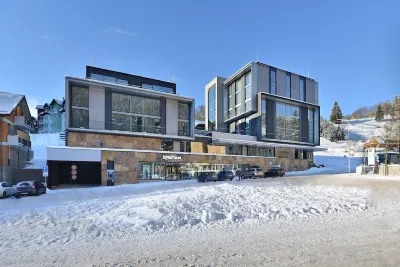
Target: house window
[167, 145]
[183, 119]
[136, 114]
[302, 89]
[80, 107]
[288, 85]
[272, 81]
[185, 146]
[287, 122]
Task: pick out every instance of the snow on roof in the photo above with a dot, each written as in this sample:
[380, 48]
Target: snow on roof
[8, 102]
[39, 106]
[58, 101]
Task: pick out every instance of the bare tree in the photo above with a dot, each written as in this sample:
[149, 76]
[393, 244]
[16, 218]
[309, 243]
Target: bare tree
[200, 113]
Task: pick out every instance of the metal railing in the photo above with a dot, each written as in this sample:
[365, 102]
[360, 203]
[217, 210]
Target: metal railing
[127, 127]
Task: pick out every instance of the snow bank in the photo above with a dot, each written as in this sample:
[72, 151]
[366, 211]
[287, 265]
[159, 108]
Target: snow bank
[206, 206]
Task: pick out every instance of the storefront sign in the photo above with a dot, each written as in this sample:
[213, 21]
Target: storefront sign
[171, 157]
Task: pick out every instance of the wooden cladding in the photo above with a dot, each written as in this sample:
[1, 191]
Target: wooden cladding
[198, 147]
[216, 149]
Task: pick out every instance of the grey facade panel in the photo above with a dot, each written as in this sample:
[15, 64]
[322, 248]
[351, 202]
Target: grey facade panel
[295, 87]
[281, 82]
[232, 100]
[271, 118]
[262, 79]
[96, 111]
[310, 91]
[303, 124]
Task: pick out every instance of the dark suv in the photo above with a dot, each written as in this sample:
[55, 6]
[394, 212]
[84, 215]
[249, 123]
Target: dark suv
[225, 175]
[274, 171]
[29, 188]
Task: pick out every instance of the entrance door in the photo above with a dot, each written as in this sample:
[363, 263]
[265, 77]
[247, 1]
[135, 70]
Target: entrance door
[171, 172]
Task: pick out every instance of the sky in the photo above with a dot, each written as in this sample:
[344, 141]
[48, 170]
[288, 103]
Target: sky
[352, 48]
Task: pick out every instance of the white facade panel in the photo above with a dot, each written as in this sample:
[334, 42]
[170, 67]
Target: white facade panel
[96, 108]
[73, 154]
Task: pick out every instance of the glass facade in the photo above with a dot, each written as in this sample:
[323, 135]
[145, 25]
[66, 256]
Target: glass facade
[80, 107]
[226, 103]
[248, 85]
[231, 111]
[272, 81]
[211, 108]
[288, 85]
[158, 88]
[106, 78]
[183, 119]
[311, 130]
[264, 117]
[302, 89]
[238, 98]
[135, 114]
[287, 122]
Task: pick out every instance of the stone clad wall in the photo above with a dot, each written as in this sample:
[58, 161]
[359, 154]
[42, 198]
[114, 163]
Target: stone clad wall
[77, 139]
[126, 164]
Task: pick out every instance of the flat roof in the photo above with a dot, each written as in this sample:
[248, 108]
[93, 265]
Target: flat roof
[130, 88]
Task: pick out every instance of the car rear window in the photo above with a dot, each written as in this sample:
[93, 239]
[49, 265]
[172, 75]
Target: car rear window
[23, 184]
[259, 170]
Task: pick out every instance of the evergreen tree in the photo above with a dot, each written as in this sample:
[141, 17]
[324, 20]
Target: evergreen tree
[379, 113]
[336, 114]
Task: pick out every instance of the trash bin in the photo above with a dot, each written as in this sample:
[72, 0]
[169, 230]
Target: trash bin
[110, 182]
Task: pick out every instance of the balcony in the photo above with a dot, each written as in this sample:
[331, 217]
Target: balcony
[22, 123]
[17, 142]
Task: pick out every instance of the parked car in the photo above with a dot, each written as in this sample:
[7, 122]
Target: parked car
[6, 190]
[207, 177]
[226, 175]
[274, 171]
[29, 188]
[253, 173]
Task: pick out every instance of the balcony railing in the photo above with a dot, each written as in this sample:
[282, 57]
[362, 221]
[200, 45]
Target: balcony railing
[17, 142]
[81, 123]
[22, 123]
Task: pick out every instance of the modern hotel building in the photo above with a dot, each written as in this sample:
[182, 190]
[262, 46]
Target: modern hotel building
[140, 128]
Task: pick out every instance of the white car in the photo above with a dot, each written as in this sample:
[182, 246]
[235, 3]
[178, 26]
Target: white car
[6, 190]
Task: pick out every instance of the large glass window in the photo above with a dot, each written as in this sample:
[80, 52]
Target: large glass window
[248, 85]
[226, 104]
[136, 114]
[272, 81]
[264, 117]
[167, 145]
[80, 107]
[211, 109]
[157, 88]
[287, 122]
[106, 78]
[183, 119]
[230, 109]
[238, 96]
[311, 126]
[302, 89]
[288, 85]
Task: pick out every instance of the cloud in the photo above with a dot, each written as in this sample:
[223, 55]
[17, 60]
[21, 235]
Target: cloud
[44, 37]
[122, 32]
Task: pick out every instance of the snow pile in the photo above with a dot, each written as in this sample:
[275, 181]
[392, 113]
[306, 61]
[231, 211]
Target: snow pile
[206, 206]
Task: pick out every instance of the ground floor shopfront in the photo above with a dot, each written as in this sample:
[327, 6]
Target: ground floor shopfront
[131, 166]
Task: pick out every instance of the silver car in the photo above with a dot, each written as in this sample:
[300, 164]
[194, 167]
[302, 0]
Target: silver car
[6, 190]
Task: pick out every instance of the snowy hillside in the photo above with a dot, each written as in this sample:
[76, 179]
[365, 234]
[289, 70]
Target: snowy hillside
[363, 129]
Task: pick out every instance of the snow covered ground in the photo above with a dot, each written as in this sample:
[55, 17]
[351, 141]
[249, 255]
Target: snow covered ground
[162, 223]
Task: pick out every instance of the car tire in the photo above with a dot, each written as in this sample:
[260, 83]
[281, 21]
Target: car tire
[4, 195]
[37, 193]
[253, 177]
[17, 196]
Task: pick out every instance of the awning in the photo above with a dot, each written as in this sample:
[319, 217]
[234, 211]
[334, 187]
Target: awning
[265, 144]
